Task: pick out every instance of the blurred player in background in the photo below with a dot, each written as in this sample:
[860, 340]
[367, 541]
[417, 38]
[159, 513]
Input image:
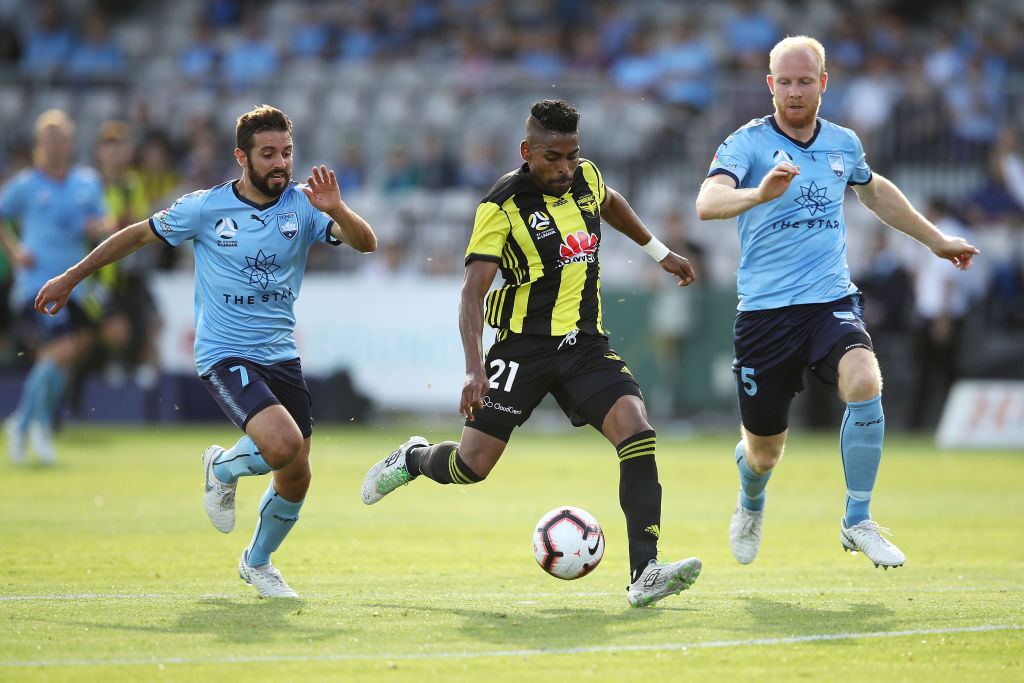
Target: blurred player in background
[57, 208]
[541, 224]
[251, 238]
[785, 175]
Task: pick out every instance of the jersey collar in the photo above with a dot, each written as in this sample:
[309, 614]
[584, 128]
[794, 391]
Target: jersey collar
[798, 143]
[258, 207]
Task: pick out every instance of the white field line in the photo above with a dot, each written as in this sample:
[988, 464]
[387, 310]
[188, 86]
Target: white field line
[743, 591]
[342, 657]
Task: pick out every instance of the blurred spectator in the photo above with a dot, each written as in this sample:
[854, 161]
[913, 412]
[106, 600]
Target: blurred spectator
[941, 301]
[351, 167]
[399, 173]
[310, 36]
[869, 99]
[886, 286]
[97, 59]
[252, 59]
[480, 165]
[750, 32]
[976, 105]
[197, 61]
[48, 45]
[918, 128]
[637, 70]
[130, 325]
[687, 69]
[436, 168]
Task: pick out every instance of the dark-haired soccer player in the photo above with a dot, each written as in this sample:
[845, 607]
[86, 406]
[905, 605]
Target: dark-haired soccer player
[251, 238]
[785, 175]
[541, 224]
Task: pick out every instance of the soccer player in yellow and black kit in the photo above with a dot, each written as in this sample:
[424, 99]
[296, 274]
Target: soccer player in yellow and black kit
[541, 225]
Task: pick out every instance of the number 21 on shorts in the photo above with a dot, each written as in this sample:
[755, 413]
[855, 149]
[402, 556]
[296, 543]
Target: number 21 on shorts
[499, 367]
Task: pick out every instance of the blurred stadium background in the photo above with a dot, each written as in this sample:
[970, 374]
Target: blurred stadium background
[419, 105]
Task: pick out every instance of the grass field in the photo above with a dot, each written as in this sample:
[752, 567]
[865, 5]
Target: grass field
[111, 571]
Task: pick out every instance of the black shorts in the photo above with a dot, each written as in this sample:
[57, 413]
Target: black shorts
[243, 388]
[774, 346]
[583, 373]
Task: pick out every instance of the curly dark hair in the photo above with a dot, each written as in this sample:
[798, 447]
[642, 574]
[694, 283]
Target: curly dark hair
[557, 116]
[259, 120]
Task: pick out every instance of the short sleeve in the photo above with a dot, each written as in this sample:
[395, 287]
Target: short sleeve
[319, 223]
[861, 174]
[12, 199]
[181, 221]
[490, 231]
[732, 159]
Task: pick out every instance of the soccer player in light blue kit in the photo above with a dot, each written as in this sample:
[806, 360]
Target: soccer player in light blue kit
[58, 208]
[251, 238]
[785, 175]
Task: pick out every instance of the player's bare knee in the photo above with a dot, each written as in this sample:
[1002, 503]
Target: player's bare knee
[763, 459]
[281, 448]
[861, 384]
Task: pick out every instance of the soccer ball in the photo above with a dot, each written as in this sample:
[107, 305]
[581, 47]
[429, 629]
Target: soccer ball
[568, 542]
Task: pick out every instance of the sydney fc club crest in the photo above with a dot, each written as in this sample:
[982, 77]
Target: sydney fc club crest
[836, 163]
[288, 224]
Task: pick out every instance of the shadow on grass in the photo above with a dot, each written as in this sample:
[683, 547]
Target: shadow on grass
[553, 627]
[770, 617]
[229, 620]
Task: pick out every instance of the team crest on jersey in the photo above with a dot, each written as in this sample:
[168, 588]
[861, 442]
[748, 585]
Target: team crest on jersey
[288, 224]
[780, 156]
[836, 163]
[587, 203]
[578, 247]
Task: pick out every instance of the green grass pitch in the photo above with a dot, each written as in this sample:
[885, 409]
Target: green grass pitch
[111, 571]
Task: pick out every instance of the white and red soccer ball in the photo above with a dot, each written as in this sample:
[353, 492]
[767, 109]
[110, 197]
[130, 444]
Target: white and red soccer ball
[568, 542]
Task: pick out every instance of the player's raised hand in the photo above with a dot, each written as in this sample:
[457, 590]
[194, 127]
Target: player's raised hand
[680, 267]
[957, 250]
[776, 181]
[323, 191]
[56, 292]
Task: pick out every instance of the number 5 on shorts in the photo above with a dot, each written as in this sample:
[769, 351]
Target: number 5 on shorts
[747, 377]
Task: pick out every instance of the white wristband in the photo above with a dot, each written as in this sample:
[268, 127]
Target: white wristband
[655, 249]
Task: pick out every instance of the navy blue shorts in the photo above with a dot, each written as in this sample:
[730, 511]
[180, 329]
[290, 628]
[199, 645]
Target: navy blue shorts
[774, 346]
[585, 376]
[243, 388]
[38, 328]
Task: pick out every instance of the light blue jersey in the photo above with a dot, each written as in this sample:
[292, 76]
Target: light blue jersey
[250, 259]
[793, 249]
[52, 216]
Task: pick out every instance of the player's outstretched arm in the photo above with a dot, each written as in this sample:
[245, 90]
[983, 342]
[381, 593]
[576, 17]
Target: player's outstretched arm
[349, 227]
[720, 198]
[479, 276]
[893, 208]
[617, 212]
[54, 294]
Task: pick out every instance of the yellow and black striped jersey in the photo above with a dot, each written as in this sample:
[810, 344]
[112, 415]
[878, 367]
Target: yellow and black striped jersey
[547, 250]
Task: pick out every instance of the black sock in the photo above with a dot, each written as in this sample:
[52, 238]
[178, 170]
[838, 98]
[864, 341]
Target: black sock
[441, 462]
[640, 498]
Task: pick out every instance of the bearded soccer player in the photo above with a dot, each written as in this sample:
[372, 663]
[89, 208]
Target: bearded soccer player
[251, 237]
[785, 175]
[541, 225]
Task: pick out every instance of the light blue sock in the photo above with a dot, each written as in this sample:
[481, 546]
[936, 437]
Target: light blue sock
[752, 495]
[56, 379]
[277, 517]
[860, 442]
[31, 395]
[241, 460]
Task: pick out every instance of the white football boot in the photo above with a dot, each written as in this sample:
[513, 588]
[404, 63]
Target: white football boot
[864, 537]
[41, 438]
[390, 473]
[15, 441]
[745, 533]
[660, 580]
[266, 579]
[218, 497]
